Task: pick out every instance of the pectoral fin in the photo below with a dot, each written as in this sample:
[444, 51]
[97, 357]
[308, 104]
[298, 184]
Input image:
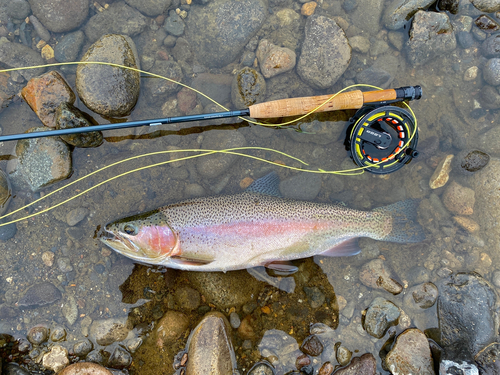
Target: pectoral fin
[284, 268]
[190, 262]
[343, 249]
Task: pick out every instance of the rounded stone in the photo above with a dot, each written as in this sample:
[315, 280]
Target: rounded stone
[380, 315]
[58, 334]
[410, 354]
[38, 335]
[471, 160]
[158, 89]
[60, 15]
[459, 199]
[187, 298]
[108, 90]
[82, 348]
[85, 368]
[170, 327]
[56, 359]
[40, 295]
[248, 87]
[19, 9]
[69, 47]
[491, 72]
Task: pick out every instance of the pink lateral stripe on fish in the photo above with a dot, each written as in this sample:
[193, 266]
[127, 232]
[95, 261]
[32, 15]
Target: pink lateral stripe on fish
[254, 228]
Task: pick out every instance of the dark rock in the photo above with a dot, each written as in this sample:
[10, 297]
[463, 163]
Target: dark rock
[107, 331]
[490, 99]
[44, 94]
[19, 9]
[465, 39]
[410, 354]
[57, 333]
[326, 369]
[262, 368]
[431, 35]
[60, 16]
[108, 90]
[314, 294]
[471, 161]
[303, 360]
[182, 51]
[150, 8]
[40, 162]
[40, 295]
[82, 348]
[7, 231]
[343, 355]
[491, 72]
[364, 365]
[487, 24]
[119, 18]
[70, 117]
[69, 46]
[42, 32]
[325, 41]
[375, 76]
[451, 6]
[174, 25]
[421, 296]
[380, 315]
[428, 147]
[15, 55]
[312, 346]
[120, 358]
[7, 312]
[159, 89]
[467, 318]
[488, 359]
[230, 24]
[209, 347]
[214, 165]
[304, 187]
[248, 87]
[491, 46]
[14, 369]
[5, 193]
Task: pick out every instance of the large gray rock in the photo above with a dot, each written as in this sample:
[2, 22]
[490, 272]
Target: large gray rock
[119, 18]
[150, 7]
[230, 24]
[60, 15]
[431, 35]
[399, 12]
[326, 53]
[108, 90]
[16, 55]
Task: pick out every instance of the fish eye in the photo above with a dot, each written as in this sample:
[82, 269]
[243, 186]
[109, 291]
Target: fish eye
[130, 229]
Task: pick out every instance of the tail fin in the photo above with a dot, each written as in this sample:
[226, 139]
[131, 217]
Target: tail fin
[405, 228]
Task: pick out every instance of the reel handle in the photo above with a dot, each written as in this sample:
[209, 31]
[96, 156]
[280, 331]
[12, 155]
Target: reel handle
[346, 100]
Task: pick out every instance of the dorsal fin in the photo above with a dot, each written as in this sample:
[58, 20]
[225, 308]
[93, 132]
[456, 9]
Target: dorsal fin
[268, 185]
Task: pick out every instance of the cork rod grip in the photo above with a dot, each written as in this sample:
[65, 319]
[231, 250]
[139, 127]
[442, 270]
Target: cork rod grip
[301, 106]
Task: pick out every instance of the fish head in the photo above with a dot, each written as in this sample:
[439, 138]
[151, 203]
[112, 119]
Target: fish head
[145, 238]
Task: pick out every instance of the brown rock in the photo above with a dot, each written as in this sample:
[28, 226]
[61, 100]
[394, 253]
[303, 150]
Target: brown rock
[364, 365]
[467, 223]
[459, 199]
[410, 354]
[186, 99]
[170, 327]
[274, 60]
[210, 350]
[107, 331]
[376, 274]
[442, 173]
[308, 8]
[45, 93]
[326, 369]
[312, 346]
[85, 368]
[246, 329]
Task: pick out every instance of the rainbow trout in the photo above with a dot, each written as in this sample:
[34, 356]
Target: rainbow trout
[254, 228]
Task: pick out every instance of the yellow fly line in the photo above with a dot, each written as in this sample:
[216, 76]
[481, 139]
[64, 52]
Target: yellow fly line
[239, 151]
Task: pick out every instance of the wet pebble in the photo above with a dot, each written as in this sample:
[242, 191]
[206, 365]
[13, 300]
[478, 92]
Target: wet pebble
[421, 296]
[380, 315]
[186, 99]
[470, 161]
[491, 72]
[302, 361]
[70, 117]
[487, 24]
[376, 274]
[410, 354]
[82, 348]
[40, 295]
[8, 231]
[83, 368]
[64, 264]
[76, 215]
[459, 199]
[70, 309]
[234, 320]
[107, 331]
[19, 9]
[261, 368]
[491, 46]
[58, 333]
[194, 190]
[174, 25]
[465, 39]
[418, 275]
[187, 298]
[365, 365]
[38, 335]
[158, 90]
[56, 359]
[60, 15]
[312, 346]
[170, 327]
[48, 258]
[44, 94]
[274, 60]
[326, 369]
[375, 76]
[150, 8]
[247, 88]
[120, 358]
[69, 46]
[7, 312]
[442, 173]
[16, 55]
[467, 223]
[343, 355]
[471, 73]
[488, 359]
[14, 369]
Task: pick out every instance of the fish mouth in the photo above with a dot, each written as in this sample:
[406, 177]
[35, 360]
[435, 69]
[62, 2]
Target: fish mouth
[120, 244]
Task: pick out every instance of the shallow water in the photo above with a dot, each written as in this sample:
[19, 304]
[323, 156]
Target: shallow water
[106, 285]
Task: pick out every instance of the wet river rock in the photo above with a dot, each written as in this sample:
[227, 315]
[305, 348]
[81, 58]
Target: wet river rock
[378, 275]
[60, 15]
[399, 12]
[410, 354]
[85, 368]
[230, 24]
[15, 55]
[248, 87]
[44, 94]
[431, 35]
[70, 117]
[366, 365]
[421, 296]
[467, 318]
[150, 8]
[326, 53]
[40, 295]
[158, 89]
[40, 162]
[108, 90]
[209, 347]
[170, 327]
[274, 60]
[380, 315]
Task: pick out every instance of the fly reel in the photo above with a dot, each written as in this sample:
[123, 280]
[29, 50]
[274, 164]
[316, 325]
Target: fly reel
[381, 139]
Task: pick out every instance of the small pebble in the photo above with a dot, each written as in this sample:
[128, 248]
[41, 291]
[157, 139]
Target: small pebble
[77, 215]
[56, 359]
[343, 355]
[38, 335]
[64, 264]
[58, 333]
[471, 73]
[312, 346]
[442, 173]
[308, 8]
[82, 348]
[120, 358]
[326, 369]
[234, 319]
[302, 360]
[48, 258]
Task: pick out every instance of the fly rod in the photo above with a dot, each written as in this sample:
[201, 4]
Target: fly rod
[273, 109]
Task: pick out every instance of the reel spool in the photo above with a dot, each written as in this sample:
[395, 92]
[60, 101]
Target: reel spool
[380, 139]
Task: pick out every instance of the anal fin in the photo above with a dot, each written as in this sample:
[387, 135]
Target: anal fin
[343, 249]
